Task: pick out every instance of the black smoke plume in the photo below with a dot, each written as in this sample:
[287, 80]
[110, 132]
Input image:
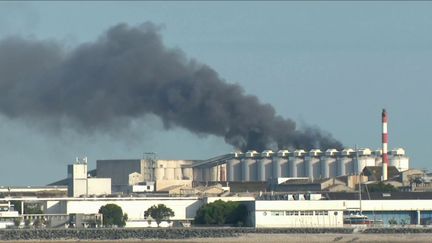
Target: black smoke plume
[129, 73]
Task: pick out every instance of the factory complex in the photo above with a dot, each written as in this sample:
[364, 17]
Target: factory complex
[138, 175]
[277, 210]
[265, 182]
[153, 175]
[315, 188]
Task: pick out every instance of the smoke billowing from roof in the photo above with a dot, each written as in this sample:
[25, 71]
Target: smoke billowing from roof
[129, 73]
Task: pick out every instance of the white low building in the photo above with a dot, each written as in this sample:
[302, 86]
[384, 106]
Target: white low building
[279, 214]
[184, 208]
[7, 217]
[80, 184]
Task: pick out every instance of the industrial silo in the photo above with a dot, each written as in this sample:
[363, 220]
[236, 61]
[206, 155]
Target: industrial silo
[178, 175]
[312, 163]
[198, 174]
[206, 174]
[169, 173]
[159, 171]
[377, 154]
[399, 160]
[222, 172]
[328, 163]
[234, 168]
[363, 159]
[280, 164]
[345, 162]
[187, 173]
[169, 170]
[248, 165]
[264, 166]
[212, 173]
[296, 164]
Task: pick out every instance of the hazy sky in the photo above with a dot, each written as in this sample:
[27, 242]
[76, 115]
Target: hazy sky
[329, 64]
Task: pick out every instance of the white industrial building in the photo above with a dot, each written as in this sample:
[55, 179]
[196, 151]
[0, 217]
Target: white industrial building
[278, 214]
[184, 208]
[290, 211]
[80, 184]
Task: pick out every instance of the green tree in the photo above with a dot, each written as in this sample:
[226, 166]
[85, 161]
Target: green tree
[33, 208]
[113, 215]
[220, 213]
[159, 212]
[392, 221]
[29, 208]
[39, 222]
[17, 222]
[381, 187]
[27, 222]
[17, 206]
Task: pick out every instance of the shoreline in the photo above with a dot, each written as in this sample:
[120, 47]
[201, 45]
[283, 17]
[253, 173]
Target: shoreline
[210, 235]
[259, 238]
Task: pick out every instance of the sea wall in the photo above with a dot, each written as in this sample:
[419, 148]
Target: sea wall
[397, 230]
[184, 233]
[152, 233]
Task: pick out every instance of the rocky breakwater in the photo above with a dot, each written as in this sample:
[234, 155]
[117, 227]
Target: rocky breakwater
[398, 230]
[153, 233]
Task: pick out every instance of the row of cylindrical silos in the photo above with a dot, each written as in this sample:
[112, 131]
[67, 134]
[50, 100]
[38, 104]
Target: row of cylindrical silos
[254, 166]
[213, 173]
[170, 170]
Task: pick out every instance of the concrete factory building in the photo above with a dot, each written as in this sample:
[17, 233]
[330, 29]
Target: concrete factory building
[279, 213]
[128, 175]
[244, 167]
[80, 184]
[149, 173]
[285, 210]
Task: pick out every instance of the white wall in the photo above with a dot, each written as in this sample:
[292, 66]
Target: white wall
[183, 208]
[79, 187]
[367, 205]
[281, 219]
[79, 171]
[99, 186]
[143, 188]
[298, 214]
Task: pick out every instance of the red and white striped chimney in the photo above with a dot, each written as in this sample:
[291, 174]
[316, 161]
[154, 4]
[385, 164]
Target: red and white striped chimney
[385, 160]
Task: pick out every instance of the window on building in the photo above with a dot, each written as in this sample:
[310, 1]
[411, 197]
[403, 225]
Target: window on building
[277, 213]
[291, 213]
[306, 213]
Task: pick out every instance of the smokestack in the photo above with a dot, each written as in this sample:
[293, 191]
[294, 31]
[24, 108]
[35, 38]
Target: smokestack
[385, 160]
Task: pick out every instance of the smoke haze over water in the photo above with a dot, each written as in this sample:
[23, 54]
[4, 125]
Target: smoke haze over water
[129, 73]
